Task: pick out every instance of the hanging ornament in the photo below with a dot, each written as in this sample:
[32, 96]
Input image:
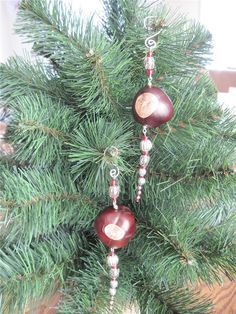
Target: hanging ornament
[151, 108]
[115, 226]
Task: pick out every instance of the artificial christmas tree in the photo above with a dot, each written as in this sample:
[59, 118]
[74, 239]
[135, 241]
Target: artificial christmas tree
[70, 106]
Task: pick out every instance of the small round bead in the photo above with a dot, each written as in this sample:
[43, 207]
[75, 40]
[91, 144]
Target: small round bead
[142, 172]
[139, 187]
[111, 302]
[139, 193]
[146, 145]
[144, 160]
[114, 284]
[112, 291]
[141, 181]
[112, 260]
[114, 273]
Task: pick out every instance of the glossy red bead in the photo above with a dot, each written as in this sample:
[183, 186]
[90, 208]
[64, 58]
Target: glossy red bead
[115, 227]
[152, 107]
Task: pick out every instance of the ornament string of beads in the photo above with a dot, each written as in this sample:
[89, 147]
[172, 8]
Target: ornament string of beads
[151, 108]
[115, 226]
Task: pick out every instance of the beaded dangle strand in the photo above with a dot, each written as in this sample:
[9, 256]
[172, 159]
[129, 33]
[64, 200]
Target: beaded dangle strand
[145, 144]
[115, 226]
[151, 108]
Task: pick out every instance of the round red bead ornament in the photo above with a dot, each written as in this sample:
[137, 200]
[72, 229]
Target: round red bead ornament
[152, 107]
[115, 227]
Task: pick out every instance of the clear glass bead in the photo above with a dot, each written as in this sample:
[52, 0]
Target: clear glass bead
[144, 160]
[112, 260]
[149, 62]
[146, 145]
[114, 191]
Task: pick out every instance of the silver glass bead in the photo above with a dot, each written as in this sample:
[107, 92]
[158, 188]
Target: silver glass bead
[114, 284]
[141, 181]
[112, 260]
[142, 172]
[112, 291]
[114, 273]
[146, 145]
[144, 160]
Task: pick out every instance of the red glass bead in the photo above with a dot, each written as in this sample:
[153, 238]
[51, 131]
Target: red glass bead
[150, 53]
[150, 72]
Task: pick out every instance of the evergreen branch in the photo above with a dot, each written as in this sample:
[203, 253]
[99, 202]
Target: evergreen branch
[24, 269]
[33, 197]
[194, 98]
[204, 150]
[84, 63]
[119, 15]
[206, 174]
[44, 198]
[97, 83]
[174, 300]
[104, 81]
[39, 127]
[177, 247]
[58, 22]
[34, 125]
[94, 148]
[22, 76]
[184, 236]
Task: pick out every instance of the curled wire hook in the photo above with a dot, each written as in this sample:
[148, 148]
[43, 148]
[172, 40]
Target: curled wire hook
[114, 172]
[149, 41]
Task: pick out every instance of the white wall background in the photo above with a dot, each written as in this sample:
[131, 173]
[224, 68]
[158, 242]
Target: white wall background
[220, 18]
[11, 44]
[8, 41]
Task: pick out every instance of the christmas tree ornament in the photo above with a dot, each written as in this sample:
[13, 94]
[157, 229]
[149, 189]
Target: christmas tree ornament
[151, 108]
[115, 226]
